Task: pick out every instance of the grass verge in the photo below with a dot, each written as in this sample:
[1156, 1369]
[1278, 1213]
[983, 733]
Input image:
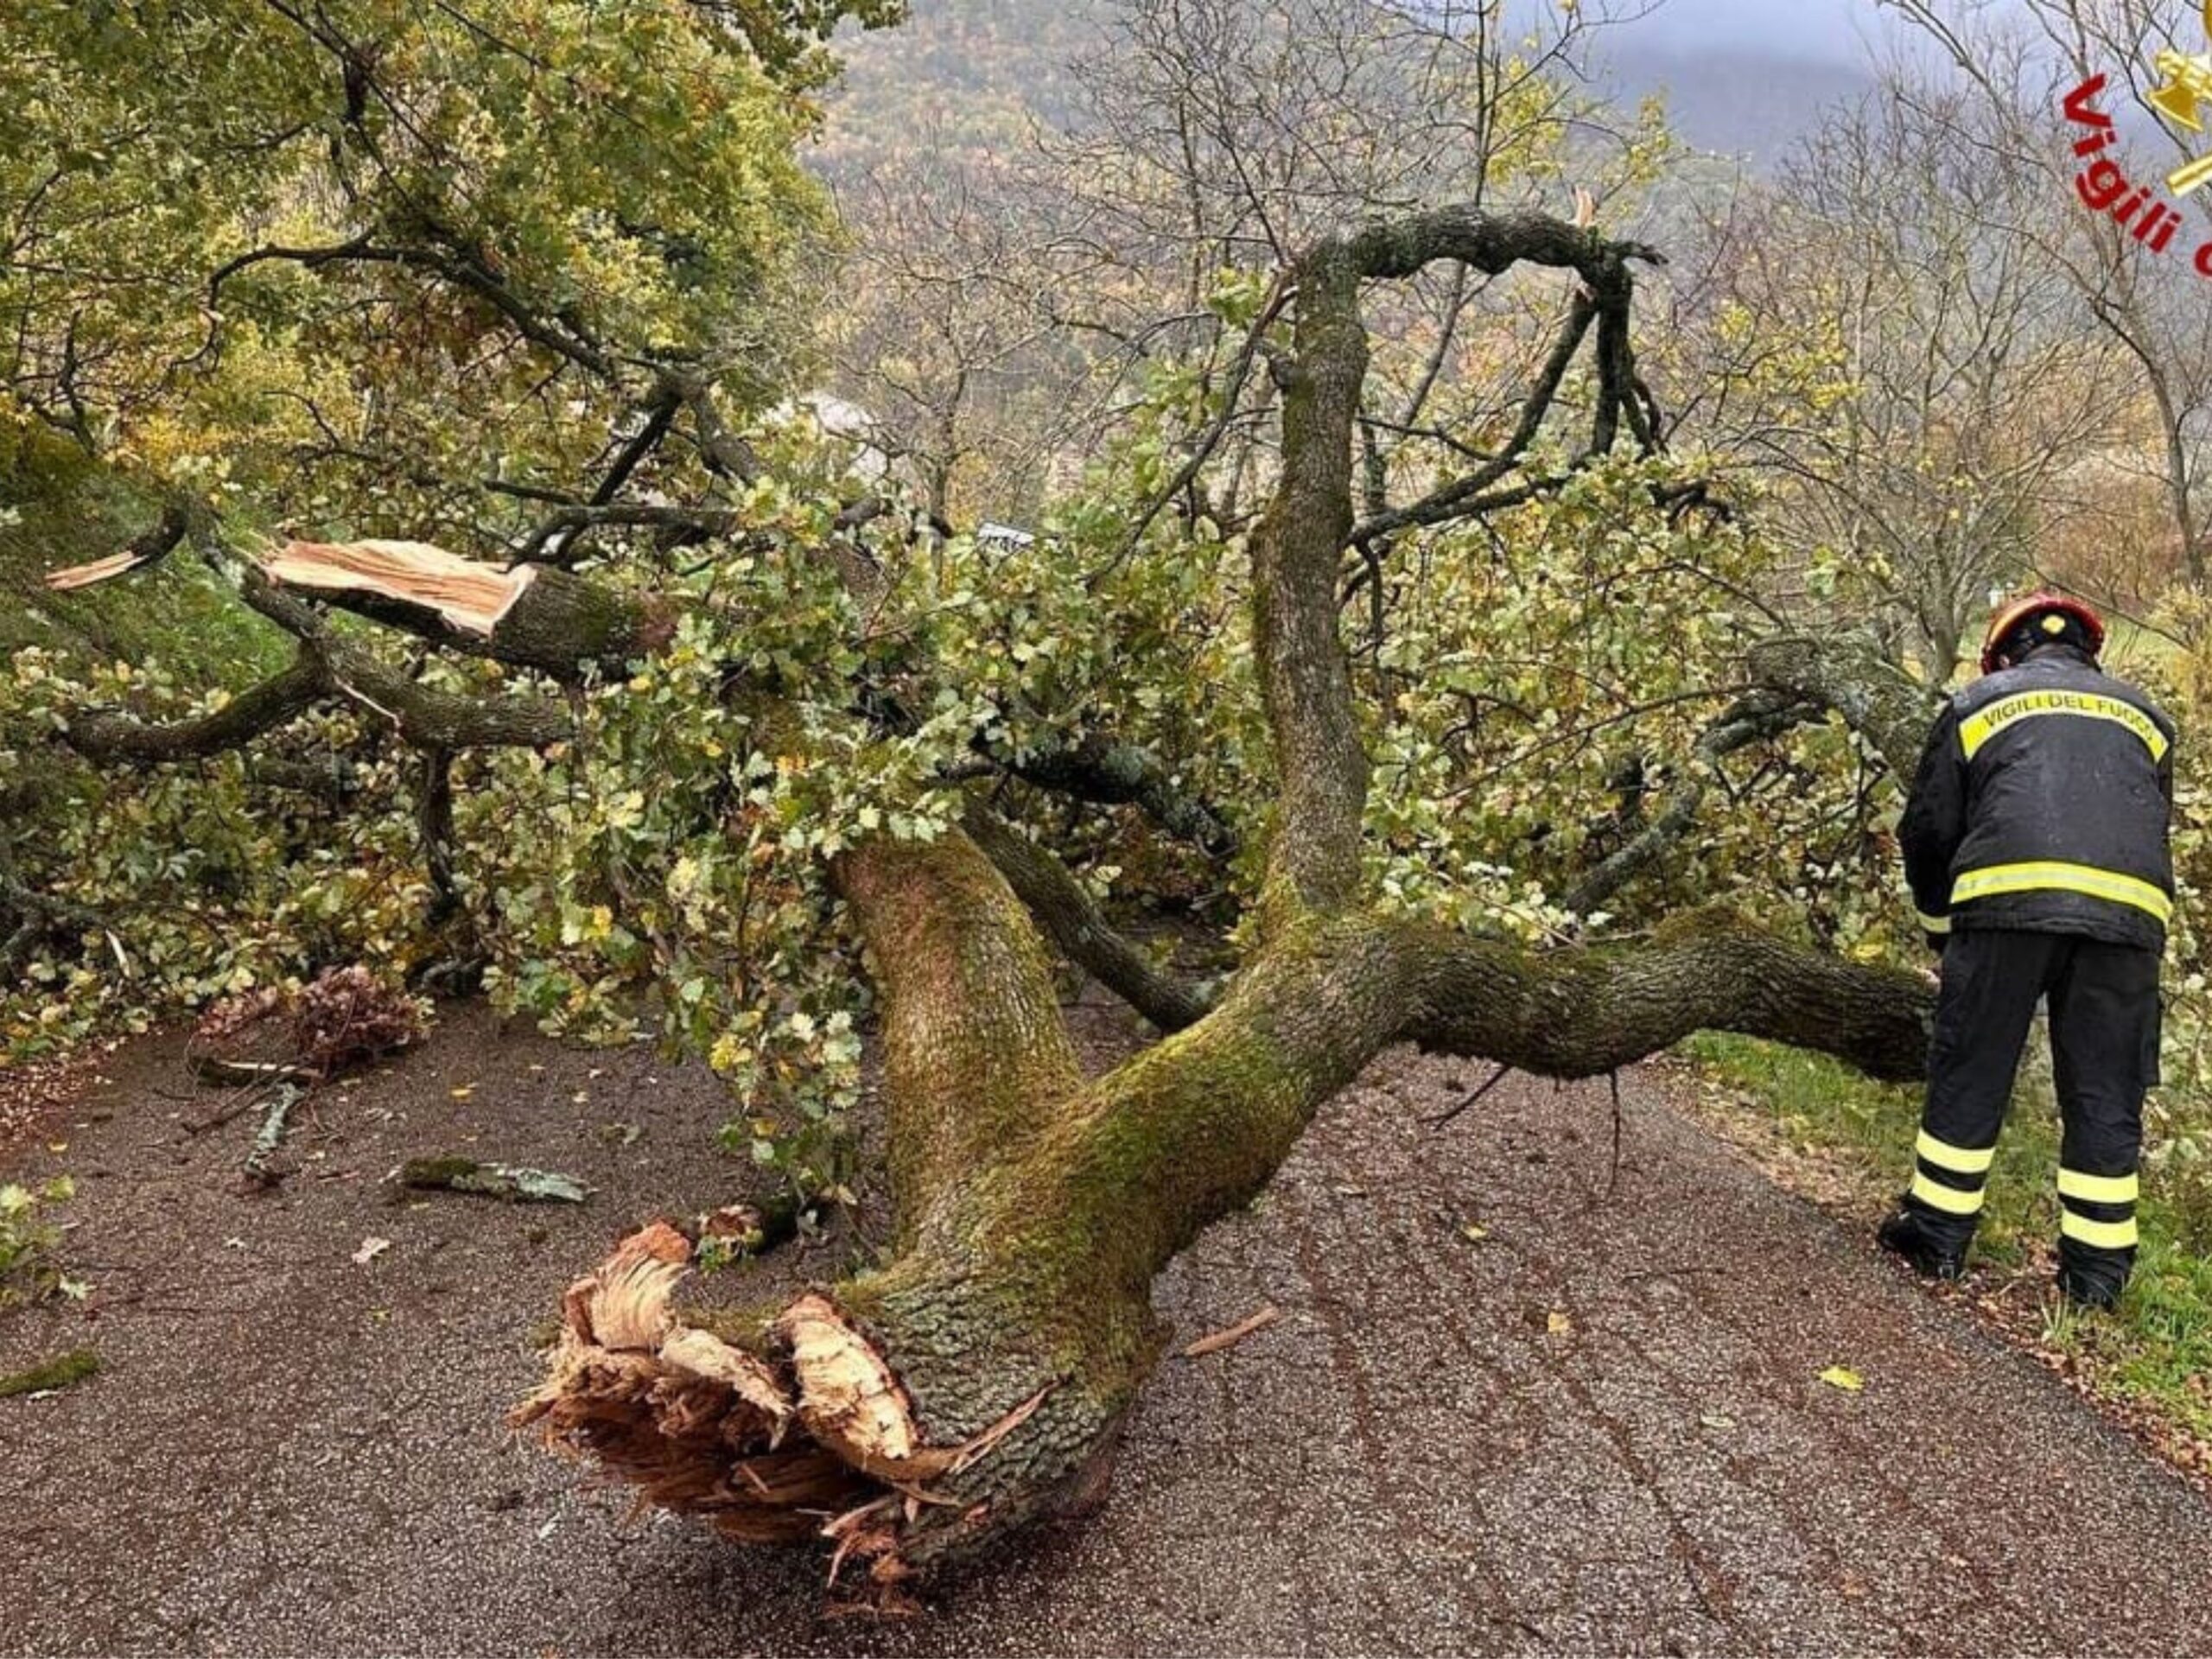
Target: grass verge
[1820, 1129]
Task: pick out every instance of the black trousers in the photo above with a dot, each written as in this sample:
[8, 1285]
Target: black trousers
[2104, 1041]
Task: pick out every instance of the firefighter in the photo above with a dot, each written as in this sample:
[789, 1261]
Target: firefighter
[2035, 843]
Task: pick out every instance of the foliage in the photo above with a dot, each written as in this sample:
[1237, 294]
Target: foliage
[29, 1269]
[310, 263]
[207, 885]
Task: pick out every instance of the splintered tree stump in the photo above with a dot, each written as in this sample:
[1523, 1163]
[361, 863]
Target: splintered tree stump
[807, 1436]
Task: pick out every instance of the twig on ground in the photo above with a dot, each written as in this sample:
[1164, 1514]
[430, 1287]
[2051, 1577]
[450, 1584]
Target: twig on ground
[508, 1182]
[1494, 1079]
[260, 1167]
[1613, 1178]
[1234, 1334]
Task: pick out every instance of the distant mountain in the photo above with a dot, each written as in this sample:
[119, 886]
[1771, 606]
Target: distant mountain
[1742, 101]
[973, 74]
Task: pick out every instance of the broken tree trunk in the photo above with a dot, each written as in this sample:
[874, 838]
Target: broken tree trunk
[978, 1380]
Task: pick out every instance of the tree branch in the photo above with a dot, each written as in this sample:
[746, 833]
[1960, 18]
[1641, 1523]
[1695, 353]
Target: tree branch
[108, 738]
[975, 1051]
[1750, 721]
[1849, 674]
[1097, 769]
[1304, 678]
[1073, 918]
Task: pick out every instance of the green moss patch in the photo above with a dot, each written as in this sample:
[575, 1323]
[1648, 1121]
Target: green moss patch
[62, 1371]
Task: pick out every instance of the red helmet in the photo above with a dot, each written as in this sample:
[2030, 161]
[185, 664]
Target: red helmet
[2010, 616]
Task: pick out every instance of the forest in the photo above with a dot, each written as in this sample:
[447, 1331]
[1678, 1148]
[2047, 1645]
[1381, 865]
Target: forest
[1028, 593]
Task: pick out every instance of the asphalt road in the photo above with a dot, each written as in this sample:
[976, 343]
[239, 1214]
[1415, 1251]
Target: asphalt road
[1593, 1423]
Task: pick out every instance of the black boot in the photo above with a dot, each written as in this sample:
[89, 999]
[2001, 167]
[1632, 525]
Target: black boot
[1932, 1252]
[2092, 1278]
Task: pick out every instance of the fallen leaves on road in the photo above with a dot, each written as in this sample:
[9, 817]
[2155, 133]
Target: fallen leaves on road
[1842, 1377]
[371, 1249]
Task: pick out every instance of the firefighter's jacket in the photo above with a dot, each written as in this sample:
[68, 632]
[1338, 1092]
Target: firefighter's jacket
[2041, 804]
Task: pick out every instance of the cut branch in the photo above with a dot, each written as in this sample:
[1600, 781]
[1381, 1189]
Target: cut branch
[156, 544]
[464, 592]
[531, 616]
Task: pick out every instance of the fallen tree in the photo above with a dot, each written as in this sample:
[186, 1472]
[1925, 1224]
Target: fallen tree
[977, 1380]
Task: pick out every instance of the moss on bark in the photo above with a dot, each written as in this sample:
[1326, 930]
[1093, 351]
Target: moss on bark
[62, 1371]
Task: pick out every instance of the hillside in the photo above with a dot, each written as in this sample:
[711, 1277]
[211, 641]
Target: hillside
[974, 75]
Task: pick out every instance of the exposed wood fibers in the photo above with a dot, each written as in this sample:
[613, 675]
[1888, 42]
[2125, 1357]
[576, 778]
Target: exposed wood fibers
[468, 594]
[703, 1427]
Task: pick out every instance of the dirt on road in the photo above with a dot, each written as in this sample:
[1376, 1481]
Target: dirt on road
[1510, 1404]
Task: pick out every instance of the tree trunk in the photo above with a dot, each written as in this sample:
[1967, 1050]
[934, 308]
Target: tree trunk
[912, 1414]
[978, 1381]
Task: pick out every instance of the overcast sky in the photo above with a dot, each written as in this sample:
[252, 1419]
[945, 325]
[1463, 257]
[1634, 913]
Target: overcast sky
[1827, 30]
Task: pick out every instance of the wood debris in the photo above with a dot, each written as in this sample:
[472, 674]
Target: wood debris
[98, 570]
[261, 1162]
[1234, 1334]
[512, 1183]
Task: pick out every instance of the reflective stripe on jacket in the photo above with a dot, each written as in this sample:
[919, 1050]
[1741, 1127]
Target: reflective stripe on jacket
[2042, 803]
